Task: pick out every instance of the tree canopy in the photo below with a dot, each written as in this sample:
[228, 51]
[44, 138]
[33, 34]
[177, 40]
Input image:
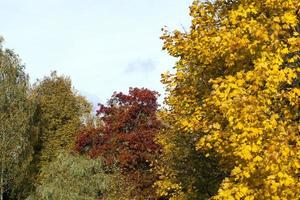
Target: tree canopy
[72, 177]
[228, 129]
[236, 88]
[16, 112]
[58, 116]
[126, 137]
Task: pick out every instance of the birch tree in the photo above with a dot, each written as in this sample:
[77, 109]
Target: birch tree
[15, 116]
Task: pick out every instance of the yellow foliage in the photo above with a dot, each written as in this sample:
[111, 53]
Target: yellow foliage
[237, 83]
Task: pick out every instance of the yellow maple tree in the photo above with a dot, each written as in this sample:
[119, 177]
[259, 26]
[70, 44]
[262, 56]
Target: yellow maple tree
[236, 87]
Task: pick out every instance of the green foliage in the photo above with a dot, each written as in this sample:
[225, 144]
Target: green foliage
[15, 115]
[72, 177]
[58, 116]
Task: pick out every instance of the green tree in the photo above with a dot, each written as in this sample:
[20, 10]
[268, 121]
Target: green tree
[72, 177]
[15, 115]
[59, 114]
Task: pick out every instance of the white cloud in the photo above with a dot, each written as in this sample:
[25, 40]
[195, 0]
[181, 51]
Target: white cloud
[141, 66]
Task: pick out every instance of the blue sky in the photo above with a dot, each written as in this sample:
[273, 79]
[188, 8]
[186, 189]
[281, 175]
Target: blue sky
[104, 46]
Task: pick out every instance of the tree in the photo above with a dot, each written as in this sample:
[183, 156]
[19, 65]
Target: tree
[72, 177]
[15, 115]
[126, 137]
[58, 116]
[236, 89]
[184, 172]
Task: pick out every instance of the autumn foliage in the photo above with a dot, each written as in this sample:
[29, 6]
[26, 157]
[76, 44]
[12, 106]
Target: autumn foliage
[126, 136]
[229, 128]
[236, 92]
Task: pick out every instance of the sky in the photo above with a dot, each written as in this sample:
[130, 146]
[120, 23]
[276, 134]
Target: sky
[103, 45]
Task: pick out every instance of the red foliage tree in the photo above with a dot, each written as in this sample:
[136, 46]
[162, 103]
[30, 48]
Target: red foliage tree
[126, 136]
